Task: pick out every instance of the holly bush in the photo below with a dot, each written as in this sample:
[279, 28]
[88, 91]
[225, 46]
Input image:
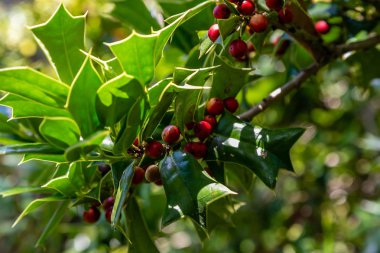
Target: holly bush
[115, 125]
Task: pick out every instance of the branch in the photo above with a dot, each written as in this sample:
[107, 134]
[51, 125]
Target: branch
[302, 76]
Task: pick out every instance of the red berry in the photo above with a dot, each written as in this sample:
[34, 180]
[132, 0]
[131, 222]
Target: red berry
[213, 32]
[215, 106]
[170, 134]
[91, 215]
[246, 7]
[154, 150]
[152, 173]
[238, 48]
[251, 47]
[202, 130]
[108, 214]
[231, 104]
[199, 149]
[190, 125]
[274, 4]
[188, 148]
[285, 15]
[104, 168]
[211, 120]
[322, 27]
[108, 203]
[221, 11]
[258, 23]
[136, 142]
[139, 175]
[283, 46]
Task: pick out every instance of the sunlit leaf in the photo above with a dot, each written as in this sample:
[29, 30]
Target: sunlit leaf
[62, 38]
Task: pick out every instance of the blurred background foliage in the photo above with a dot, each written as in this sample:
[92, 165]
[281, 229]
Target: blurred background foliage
[330, 204]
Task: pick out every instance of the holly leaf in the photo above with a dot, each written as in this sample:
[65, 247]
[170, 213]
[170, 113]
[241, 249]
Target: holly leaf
[82, 98]
[228, 26]
[137, 229]
[53, 222]
[122, 193]
[33, 85]
[35, 204]
[227, 81]
[116, 98]
[81, 149]
[25, 108]
[139, 54]
[263, 151]
[44, 157]
[39, 148]
[60, 132]
[61, 39]
[135, 14]
[187, 189]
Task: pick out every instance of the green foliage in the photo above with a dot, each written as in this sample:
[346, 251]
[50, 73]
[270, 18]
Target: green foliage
[91, 113]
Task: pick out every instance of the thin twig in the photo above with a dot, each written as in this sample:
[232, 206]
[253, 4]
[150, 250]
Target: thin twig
[302, 76]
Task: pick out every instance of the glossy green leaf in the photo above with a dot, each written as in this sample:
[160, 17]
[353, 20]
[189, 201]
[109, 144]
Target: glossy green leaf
[263, 151]
[205, 45]
[82, 98]
[116, 98]
[62, 38]
[186, 103]
[122, 193]
[217, 170]
[157, 113]
[33, 85]
[81, 149]
[156, 90]
[34, 205]
[135, 14]
[137, 229]
[187, 189]
[228, 26]
[25, 108]
[44, 158]
[39, 148]
[139, 54]
[71, 184]
[21, 190]
[11, 127]
[220, 214]
[131, 126]
[53, 222]
[227, 81]
[60, 132]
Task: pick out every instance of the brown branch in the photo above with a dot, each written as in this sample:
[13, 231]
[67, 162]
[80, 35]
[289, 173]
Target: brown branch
[297, 81]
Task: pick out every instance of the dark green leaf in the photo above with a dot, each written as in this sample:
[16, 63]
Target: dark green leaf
[263, 151]
[122, 193]
[60, 132]
[137, 229]
[33, 85]
[62, 38]
[82, 98]
[187, 189]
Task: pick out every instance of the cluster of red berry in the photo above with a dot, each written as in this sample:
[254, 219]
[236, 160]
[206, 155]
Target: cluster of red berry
[204, 128]
[255, 19]
[92, 214]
